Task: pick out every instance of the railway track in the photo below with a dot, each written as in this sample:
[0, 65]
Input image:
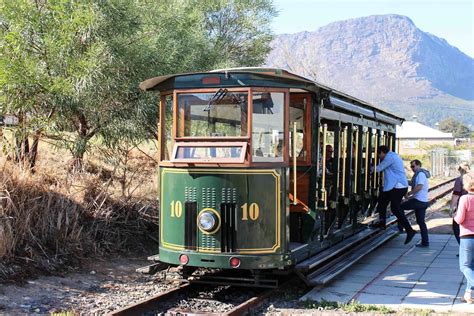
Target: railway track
[246, 300]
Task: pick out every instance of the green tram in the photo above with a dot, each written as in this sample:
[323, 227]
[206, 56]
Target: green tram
[261, 169]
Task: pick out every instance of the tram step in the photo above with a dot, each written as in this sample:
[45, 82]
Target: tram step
[155, 258]
[152, 268]
[334, 251]
[330, 271]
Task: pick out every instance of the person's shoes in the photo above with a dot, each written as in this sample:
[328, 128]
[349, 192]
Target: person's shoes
[468, 297]
[421, 245]
[410, 236]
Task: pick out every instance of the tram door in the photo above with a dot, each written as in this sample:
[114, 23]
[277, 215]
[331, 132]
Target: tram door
[337, 176]
[301, 221]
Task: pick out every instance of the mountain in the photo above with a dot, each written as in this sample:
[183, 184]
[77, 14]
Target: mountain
[386, 60]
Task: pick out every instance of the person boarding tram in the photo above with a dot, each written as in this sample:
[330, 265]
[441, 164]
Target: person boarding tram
[395, 186]
[417, 199]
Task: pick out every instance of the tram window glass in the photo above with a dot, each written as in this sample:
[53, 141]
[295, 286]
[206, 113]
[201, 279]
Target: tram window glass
[210, 152]
[268, 126]
[167, 121]
[222, 113]
[297, 115]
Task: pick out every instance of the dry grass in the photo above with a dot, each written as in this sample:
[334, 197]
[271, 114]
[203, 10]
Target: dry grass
[52, 217]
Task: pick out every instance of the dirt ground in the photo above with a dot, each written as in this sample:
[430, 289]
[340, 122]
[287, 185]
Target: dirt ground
[100, 287]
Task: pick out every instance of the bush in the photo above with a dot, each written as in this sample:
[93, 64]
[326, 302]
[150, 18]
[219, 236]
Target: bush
[46, 221]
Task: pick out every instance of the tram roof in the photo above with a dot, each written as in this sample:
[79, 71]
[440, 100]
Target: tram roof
[337, 98]
[154, 83]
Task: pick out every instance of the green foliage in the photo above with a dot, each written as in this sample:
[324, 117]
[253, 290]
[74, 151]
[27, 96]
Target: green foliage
[456, 127]
[416, 311]
[71, 69]
[238, 30]
[352, 307]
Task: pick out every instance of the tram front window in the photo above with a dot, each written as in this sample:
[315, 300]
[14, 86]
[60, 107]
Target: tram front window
[268, 126]
[220, 114]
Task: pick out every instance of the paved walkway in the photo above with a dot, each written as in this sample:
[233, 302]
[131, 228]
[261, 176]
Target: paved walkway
[403, 277]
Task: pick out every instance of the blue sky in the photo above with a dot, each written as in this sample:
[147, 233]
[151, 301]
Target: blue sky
[451, 20]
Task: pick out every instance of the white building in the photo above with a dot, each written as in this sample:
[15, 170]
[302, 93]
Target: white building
[416, 138]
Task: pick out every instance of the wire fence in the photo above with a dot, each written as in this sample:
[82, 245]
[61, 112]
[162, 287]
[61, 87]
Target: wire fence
[445, 162]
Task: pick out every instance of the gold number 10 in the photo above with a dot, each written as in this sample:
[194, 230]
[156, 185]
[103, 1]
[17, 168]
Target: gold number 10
[253, 211]
[176, 209]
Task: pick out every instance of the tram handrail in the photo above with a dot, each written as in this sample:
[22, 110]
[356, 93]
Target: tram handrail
[323, 180]
[344, 156]
[295, 171]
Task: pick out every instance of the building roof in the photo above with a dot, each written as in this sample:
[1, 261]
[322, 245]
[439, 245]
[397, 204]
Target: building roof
[415, 130]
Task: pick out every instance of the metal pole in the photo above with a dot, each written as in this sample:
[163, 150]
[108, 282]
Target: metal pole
[294, 163]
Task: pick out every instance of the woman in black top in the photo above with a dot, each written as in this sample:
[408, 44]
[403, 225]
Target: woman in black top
[458, 191]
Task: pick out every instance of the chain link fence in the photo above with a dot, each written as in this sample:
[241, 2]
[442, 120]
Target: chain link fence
[445, 162]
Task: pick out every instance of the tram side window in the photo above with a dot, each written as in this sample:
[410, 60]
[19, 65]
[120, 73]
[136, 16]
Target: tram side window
[167, 121]
[268, 126]
[297, 115]
[212, 114]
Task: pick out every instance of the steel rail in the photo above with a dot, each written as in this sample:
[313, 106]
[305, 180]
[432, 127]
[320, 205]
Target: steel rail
[149, 303]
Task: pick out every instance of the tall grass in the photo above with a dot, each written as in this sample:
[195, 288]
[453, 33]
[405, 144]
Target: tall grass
[52, 217]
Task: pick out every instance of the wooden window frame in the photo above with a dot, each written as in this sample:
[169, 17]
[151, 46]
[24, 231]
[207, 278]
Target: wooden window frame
[161, 126]
[308, 136]
[248, 139]
[286, 116]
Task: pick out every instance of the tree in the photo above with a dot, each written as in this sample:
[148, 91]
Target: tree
[46, 58]
[458, 129]
[72, 68]
[238, 30]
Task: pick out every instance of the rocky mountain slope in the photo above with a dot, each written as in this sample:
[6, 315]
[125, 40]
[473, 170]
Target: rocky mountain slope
[386, 60]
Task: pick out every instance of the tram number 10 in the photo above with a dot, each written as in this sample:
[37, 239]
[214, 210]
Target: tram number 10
[251, 211]
[176, 209]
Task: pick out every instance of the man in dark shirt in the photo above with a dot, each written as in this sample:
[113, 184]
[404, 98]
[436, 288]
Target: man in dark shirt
[329, 160]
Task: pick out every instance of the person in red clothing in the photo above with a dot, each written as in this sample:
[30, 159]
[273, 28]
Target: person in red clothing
[465, 218]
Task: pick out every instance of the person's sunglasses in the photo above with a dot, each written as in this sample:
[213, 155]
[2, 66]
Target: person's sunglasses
[413, 167]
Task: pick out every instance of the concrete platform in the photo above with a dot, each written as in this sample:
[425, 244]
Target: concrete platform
[403, 277]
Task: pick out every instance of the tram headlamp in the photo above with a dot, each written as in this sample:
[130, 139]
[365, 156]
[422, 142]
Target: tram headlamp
[207, 221]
